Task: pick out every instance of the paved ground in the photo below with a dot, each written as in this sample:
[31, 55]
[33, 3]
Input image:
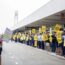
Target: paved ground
[20, 54]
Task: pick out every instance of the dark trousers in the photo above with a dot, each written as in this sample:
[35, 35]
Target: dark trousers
[42, 44]
[63, 50]
[21, 41]
[27, 42]
[39, 44]
[30, 42]
[53, 47]
[15, 40]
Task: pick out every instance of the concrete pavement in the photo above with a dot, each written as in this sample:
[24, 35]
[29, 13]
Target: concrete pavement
[21, 54]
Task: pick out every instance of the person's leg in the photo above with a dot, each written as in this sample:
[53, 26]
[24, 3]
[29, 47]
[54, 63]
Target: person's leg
[0, 59]
[51, 47]
[32, 42]
[64, 51]
[39, 44]
[57, 49]
[20, 41]
[42, 44]
[47, 44]
[27, 42]
[60, 49]
[35, 44]
[54, 48]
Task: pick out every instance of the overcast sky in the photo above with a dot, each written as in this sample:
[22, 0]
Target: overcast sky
[24, 7]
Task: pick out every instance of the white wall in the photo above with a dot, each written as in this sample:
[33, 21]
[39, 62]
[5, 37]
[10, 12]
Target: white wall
[50, 8]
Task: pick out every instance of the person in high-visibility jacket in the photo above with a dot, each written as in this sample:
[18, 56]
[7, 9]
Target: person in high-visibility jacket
[18, 37]
[21, 39]
[24, 37]
[45, 41]
[59, 42]
[35, 40]
[27, 39]
[45, 37]
[53, 42]
[16, 34]
[59, 37]
[14, 37]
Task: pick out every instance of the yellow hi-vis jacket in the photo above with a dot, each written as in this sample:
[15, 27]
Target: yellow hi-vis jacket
[14, 37]
[30, 38]
[18, 36]
[24, 37]
[21, 38]
[36, 37]
[44, 37]
[50, 38]
[27, 38]
[59, 37]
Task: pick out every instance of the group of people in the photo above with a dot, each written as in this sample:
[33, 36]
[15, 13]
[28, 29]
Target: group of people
[54, 42]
